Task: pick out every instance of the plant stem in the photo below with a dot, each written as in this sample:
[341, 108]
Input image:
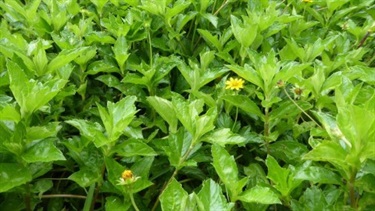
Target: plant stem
[266, 129]
[351, 185]
[133, 202]
[27, 198]
[97, 188]
[150, 45]
[89, 199]
[63, 196]
[183, 159]
[299, 107]
[221, 7]
[235, 119]
[163, 188]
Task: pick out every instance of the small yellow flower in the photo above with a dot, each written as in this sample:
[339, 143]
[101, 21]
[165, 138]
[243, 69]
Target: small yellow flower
[127, 174]
[127, 178]
[307, 1]
[234, 83]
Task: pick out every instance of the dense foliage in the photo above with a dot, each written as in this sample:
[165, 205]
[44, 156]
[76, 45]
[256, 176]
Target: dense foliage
[187, 105]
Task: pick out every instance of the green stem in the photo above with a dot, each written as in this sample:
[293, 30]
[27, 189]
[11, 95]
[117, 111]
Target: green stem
[63, 196]
[351, 186]
[133, 202]
[235, 119]
[150, 46]
[266, 129]
[221, 7]
[27, 198]
[183, 159]
[299, 107]
[163, 188]
[89, 199]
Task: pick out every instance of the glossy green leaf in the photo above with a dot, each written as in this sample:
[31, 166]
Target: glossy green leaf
[43, 151]
[134, 147]
[320, 175]
[288, 150]
[63, 58]
[225, 166]
[114, 203]
[177, 146]
[93, 131]
[165, 110]
[211, 39]
[31, 94]
[9, 112]
[120, 50]
[313, 198]
[86, 176]
[212, 197]
[282, 178]
[245, 104]
[244, 33]
[224, 136]
[329, 151]
[42, 132]
[13, 175]
[173, 197]
[118, 116]
[261, 195]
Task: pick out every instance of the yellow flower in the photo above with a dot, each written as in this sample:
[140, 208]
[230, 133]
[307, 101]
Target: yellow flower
[127, 178]
[127, 174]
[234, 83]
[307, 1]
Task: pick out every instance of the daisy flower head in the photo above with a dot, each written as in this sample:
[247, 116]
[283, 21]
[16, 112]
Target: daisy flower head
[127, 178]
[234, 83]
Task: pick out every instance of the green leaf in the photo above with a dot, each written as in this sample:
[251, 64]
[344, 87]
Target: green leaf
[261, 195]
[134, 147]
[320, 175]
[245, 104]
[90, 130]
[212, 197]
[173, 197]
[245, 33]
[64, 57]
[9, 112]
[177, 146]
[211, 39]
[225, 167]
[13, 175]
[165, 110]
[187, 111]
[114, 203]
[43, 151]
[313, 199]
[42, 132]
[86, 176]
[112, 81]
[30, 94]
[332, 152]
[281, 177]
[225, 136]
[118, 116]
[288, 150]
[120, 49]
[101, 66]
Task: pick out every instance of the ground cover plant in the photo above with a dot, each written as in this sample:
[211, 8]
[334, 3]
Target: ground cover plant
[187, 105]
